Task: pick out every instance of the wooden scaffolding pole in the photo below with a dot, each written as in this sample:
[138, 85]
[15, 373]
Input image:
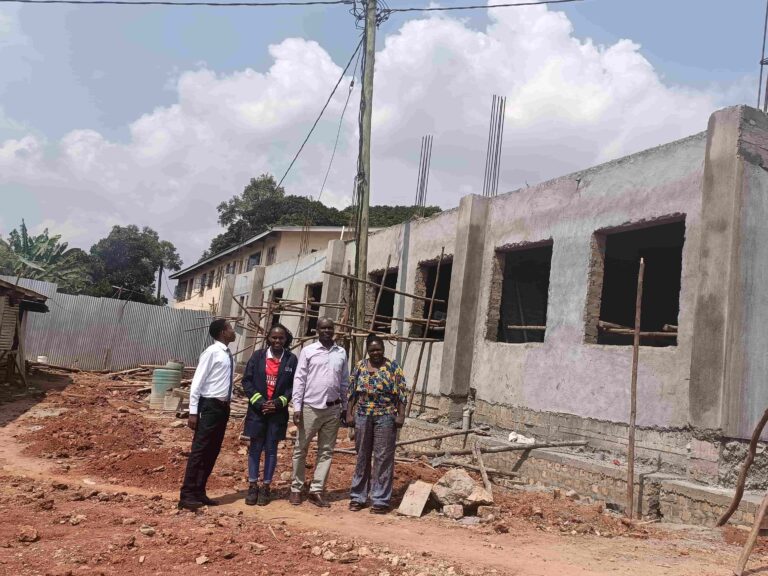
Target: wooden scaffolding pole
[741, 482]
[426, 331]
[378, 294]
[633, 395]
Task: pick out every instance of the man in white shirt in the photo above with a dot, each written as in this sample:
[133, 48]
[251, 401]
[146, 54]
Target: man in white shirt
[209, 398]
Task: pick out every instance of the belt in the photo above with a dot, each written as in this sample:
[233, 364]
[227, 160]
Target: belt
[334, 403]
[217, 400]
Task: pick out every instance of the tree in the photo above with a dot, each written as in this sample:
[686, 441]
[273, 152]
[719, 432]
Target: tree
[126, 262]
[44, 257]
[263, 204]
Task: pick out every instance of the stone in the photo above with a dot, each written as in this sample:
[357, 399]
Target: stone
[129, 521]
[27, 534]
[363, 551]
[141, 559]
[285, 476]
[202, 559]
[178, 424]
[329, 556]
[415, 499]
[572, 495]
[479, 497]
[556, 493]
[455, 486]
[147, 530]
[487, 511]
[348, 557]
[453, 511]
[317, 551]
[46, 505]
[76, 519]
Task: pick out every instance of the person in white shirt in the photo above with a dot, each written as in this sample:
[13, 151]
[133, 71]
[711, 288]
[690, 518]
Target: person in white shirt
[209, 398]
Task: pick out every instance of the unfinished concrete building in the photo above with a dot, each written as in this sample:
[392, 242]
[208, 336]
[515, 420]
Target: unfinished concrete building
[535, 279]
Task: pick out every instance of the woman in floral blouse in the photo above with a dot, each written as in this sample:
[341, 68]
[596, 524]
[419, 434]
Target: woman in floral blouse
[377, 399]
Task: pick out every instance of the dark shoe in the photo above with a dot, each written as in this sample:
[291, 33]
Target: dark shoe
[355, 506]
[192, 505]
[264, 495]
[317, 499]
[379, 509]
[253, 494]
[295, 498]
[208, 501]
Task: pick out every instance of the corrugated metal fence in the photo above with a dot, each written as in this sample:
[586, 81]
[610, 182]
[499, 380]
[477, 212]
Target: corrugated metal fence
[107, 334]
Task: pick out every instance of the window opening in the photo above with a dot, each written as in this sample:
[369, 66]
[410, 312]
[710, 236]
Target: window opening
[314, 294]
[616, 256]
[426, 273]
[386, 308]
[524, 294]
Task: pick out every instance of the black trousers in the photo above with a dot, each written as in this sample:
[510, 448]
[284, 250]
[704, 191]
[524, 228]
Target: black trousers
[213, 416]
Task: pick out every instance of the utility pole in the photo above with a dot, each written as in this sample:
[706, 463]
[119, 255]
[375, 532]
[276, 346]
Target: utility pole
[159, 280]
[364, 170]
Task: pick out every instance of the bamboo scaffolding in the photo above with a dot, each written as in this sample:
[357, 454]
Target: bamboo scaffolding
[370, 283]
[378, 294]
[497, 449]
[423, 344]
[477, 431]
[633, 394]
[740, 483]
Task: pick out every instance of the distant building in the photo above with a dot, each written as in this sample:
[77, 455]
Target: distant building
[200, 286]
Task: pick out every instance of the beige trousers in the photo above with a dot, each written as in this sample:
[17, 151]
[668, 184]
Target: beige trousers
[323, 423]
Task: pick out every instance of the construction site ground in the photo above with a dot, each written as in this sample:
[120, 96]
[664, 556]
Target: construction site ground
[90, 478]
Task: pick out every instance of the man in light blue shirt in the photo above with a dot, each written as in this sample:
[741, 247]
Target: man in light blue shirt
[319, 406]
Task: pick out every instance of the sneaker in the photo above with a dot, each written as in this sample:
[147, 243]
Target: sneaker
[253, 494]
[263, 495]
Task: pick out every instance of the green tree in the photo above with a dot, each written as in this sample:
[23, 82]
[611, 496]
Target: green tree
[127, 261]
[263, 204]
[44, 257]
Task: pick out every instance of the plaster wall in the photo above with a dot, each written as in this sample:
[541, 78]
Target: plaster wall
[427, 237]
[564, 374]
[292, 276]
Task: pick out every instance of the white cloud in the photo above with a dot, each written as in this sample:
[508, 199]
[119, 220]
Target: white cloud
[570, 104]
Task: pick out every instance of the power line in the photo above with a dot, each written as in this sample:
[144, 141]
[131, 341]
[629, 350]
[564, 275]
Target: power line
[338, 132]
[169, 3]
[321, 112]
[477, 6]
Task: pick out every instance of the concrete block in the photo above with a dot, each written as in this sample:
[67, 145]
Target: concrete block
[415, 499]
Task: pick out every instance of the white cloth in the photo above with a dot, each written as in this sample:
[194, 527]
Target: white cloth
[213, 376]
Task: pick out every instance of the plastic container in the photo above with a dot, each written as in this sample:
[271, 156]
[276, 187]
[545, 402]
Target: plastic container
[163, 380]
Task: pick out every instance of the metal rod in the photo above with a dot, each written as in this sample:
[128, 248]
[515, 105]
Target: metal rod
[762, 56]
[633, 394]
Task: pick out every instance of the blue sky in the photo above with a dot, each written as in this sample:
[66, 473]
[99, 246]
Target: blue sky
[98, 129]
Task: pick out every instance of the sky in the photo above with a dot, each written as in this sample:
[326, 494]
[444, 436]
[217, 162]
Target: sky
[154, 115]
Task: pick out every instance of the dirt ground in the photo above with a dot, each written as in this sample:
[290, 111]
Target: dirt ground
[89, 479]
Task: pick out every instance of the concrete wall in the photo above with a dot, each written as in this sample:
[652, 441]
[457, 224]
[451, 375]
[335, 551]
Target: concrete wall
[565, 374]
[728, 389]
[427, 237]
